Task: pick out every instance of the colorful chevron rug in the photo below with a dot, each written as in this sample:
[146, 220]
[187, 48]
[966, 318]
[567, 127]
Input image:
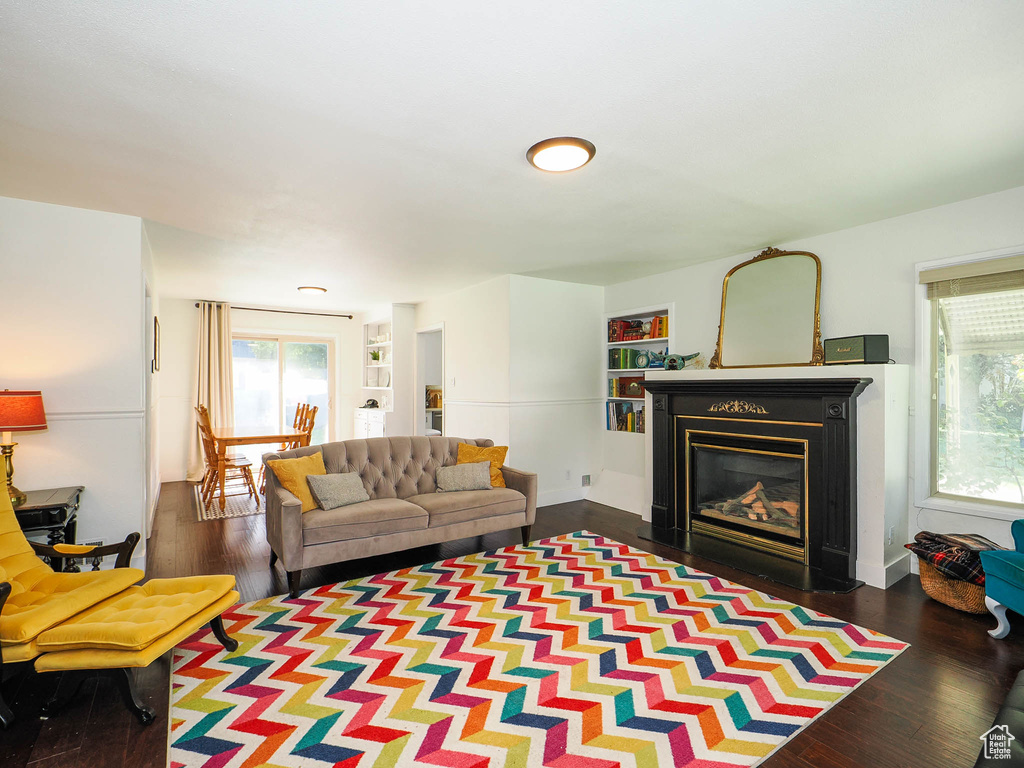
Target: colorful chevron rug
[574, 652]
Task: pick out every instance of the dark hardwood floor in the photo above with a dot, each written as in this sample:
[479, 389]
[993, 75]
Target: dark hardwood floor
[927, 708]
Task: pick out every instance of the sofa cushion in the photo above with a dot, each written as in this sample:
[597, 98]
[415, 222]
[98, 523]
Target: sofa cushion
[470, 454]
[337, 489]
[460, 506]
[358, 521]
[393, 467]
[464, 477]
[292, 474]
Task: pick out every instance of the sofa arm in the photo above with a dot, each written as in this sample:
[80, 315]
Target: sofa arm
[526, 484]
[123, 550]
[284, 524]
[1017, 529]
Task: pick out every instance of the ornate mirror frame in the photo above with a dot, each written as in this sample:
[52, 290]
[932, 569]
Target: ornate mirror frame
[817, 351]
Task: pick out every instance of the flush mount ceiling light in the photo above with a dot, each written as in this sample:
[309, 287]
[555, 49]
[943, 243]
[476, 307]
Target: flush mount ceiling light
[565, 153]
[311, 289]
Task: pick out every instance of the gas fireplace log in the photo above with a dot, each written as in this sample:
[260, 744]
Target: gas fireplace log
[770, 508]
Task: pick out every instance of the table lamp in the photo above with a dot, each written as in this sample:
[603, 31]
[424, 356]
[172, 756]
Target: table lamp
[19, 412]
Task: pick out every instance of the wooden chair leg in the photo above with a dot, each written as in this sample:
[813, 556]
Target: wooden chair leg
[229, 643]
[126, 684]
[67, 688]
[999, 611]
[526, 534]
[294, 577]
[6, 716]
[251, 482]
[211, 488]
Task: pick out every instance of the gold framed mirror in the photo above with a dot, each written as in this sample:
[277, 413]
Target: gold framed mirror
[770, 308]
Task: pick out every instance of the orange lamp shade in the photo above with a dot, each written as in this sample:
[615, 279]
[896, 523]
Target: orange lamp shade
[21, 411]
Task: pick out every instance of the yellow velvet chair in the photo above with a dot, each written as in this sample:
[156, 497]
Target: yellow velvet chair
[95, 620]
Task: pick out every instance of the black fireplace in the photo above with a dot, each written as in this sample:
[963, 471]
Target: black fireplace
[760, 475]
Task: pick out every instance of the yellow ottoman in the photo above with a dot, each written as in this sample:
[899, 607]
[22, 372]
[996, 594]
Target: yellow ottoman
[133, 629]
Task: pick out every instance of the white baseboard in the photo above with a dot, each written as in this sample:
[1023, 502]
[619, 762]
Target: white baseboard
[884, 576]
[561, 496]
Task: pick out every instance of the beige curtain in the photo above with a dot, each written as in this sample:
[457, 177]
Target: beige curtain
[214, 380]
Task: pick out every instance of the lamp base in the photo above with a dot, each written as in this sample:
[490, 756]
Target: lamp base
[17, 497]
[7, 452]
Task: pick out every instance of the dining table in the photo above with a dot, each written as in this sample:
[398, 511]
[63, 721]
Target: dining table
[226, 437]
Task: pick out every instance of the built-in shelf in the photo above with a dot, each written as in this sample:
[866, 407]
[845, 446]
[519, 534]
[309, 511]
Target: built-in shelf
[628, 414]
[432, 410]
[659, 340]
[377, 374]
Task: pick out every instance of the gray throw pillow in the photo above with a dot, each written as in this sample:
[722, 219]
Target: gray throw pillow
[465, 477]
[337, 490]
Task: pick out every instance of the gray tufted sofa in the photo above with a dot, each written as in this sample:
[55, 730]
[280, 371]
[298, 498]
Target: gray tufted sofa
[404, 509]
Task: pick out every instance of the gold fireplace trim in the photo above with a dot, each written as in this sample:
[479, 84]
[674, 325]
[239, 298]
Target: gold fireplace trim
[737, 406]
[755, 542]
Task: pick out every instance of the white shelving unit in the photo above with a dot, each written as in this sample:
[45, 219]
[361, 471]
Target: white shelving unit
[377, 359]
[627, 414]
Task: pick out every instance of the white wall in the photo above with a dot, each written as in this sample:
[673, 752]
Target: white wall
[74, 311]
[556, 350]
[867, 287]
[179, 326]
[523, 368]
[477, 329]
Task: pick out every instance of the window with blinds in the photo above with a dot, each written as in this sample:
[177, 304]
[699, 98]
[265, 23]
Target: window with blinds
[978, 379]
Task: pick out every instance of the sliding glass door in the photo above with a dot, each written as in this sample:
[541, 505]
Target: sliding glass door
[272, 375]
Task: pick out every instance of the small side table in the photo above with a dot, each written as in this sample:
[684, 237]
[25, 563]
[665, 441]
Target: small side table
[54, 510]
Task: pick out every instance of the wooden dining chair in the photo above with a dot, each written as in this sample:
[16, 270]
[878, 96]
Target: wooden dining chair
[305, 414]
[306, 424]
[237, 468]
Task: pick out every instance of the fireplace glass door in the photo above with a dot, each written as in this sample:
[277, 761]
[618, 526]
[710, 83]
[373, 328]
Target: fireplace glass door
[761, 492]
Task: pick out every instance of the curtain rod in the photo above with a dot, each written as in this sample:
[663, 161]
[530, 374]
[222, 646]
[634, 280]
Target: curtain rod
[287, 311]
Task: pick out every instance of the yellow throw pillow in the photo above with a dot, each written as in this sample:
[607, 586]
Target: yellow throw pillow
[292, 474]
[470, 454]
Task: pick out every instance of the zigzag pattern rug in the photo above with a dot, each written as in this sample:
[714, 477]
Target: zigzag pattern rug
[574, 652]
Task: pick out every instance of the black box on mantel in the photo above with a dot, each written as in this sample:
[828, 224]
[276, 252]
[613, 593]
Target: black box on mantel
[871, 348]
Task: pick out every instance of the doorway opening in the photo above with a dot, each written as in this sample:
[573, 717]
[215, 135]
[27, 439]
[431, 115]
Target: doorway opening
[430, 381]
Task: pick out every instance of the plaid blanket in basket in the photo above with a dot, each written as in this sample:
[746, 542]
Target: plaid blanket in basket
[953, 554]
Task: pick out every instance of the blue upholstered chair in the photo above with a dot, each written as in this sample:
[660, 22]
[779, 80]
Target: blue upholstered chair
[1004, 580]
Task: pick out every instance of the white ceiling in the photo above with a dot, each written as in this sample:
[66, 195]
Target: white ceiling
[378, 148]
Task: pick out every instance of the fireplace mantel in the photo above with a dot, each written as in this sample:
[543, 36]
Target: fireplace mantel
[882, 451]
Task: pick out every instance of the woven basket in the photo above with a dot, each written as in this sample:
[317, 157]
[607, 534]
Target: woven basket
[962, 595]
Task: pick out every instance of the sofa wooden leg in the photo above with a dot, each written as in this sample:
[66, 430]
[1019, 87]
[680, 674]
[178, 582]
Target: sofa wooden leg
[273, 558]
[6, 716]
[126, 683]
[526, 534]
[229, 643]
[294, 577]
[999, 611]
[67, 688]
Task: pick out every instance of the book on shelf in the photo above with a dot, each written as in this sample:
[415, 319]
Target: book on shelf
[633, 330]
[625, 417]
[626, 386]
[624, 358]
